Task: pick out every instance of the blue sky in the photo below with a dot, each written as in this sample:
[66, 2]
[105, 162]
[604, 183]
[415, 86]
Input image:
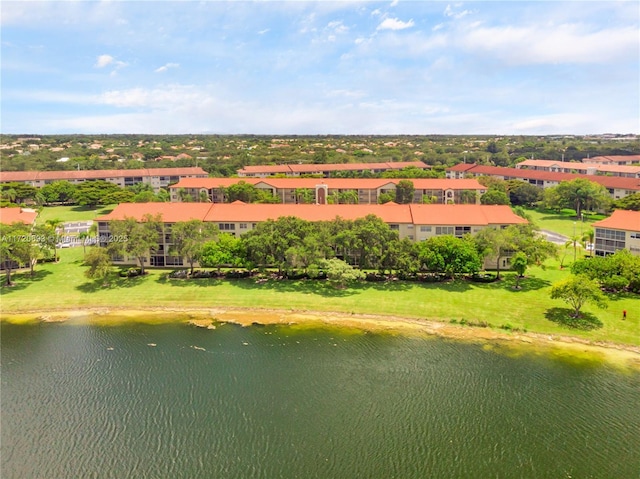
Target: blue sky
[399, 67]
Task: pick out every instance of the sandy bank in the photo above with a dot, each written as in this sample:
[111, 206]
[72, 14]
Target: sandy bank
[509, 342]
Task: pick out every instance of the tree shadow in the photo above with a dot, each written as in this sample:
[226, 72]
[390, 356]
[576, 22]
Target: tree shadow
[304, 286]
[110, 283]
[22, 280]
[525, 284]
[564, 317]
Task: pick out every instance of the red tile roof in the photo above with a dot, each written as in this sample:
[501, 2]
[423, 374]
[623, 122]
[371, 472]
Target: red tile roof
[616, 158]
[571, 165]
[518, 173]
[17, 215]
[7, 176]
[318, 168]
[332, 183]
[621, 220]
[171, 212]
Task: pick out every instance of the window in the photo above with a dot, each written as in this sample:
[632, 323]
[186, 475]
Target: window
[444, 230]
[462, 230]
[425, 229]
[243, 226]
[227, 226]
[394, 227]
[174, 261]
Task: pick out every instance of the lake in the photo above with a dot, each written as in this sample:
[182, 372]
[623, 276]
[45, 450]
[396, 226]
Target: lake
[176, 401]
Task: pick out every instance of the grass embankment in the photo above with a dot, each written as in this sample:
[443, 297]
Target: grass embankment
[72, 213]
[63, 286]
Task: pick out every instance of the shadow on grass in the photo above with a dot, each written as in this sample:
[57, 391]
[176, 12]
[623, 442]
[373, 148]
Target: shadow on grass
[22, 280]
[564, 317]
[316, 287]
[111, 283]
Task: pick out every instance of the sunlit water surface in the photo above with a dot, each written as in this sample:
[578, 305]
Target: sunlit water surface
[175, 401]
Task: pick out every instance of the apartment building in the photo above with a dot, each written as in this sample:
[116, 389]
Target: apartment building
[609, 169]
[614, 160]
[327, 170]
[156, 177]
[618, 187]
[415, 222]
[619, 231]
[322, 190]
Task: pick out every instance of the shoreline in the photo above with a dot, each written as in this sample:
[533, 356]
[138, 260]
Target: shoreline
[568, 347]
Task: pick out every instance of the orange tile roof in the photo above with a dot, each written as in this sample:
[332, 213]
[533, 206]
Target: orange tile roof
[255, 213]
[522, 173]
[312, 168]
[621, 220]
[7, 176]
[332, 183]
[17, 215]
[471, 215]
[580, 166]
[480, 215]
[171, 212]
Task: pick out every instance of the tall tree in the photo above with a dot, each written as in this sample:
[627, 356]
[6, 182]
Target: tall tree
[404, 192]
[136, 238]
[189, 237]
[450, 255]
[226, 250]
[577, 194]
[99, 264]
[577, 291]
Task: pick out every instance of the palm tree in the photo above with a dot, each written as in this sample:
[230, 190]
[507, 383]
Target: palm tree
[53, 225]
[573, 241]
[589, 237]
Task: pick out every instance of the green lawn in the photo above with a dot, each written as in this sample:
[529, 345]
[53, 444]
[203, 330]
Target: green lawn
[63, 285]
[564, 222]
[72, 213]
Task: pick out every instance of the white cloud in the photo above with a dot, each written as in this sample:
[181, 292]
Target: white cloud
[104, 60]
[450, 12]
[394, 24]
[552, 43]
[166, 67]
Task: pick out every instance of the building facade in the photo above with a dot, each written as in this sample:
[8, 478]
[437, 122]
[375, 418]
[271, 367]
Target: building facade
[619, 231]
[414, 222]
[156, 177]
[327, 170]
[329, 190]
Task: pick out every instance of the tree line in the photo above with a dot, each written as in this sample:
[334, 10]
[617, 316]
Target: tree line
[294, 247]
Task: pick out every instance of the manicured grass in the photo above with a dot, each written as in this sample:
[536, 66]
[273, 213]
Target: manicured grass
[564, 222]
[63, 285]
[72, 213]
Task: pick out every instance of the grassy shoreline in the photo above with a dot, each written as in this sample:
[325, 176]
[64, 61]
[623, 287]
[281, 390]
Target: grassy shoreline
[515, 343]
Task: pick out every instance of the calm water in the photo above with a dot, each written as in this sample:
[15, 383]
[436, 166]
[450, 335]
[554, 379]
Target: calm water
[82, 401]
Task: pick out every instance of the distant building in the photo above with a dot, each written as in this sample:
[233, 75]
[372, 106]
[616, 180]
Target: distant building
[618, 187]
[596, 168]
[326, 170]
[619, 231]
[156, 177]
[368, 190]
[614, 160]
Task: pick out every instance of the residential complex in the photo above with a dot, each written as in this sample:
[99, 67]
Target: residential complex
[619, 231]
[323, 190]
[614, 160]
[414, 222]
[327, 170]
[601, 168]
[156, 177]
[618, 187]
